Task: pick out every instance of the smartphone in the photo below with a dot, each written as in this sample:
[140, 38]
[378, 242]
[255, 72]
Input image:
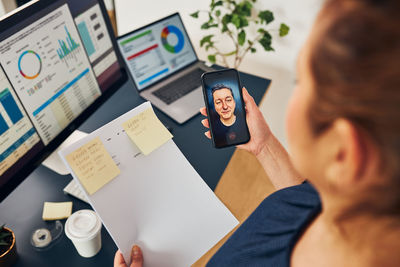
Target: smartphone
[225, 108]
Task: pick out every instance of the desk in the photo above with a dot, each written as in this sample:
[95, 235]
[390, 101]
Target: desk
[22, 210]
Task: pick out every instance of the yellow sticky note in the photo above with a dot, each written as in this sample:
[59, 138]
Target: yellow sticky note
[146, 131]
[56, 210]
[93, 166]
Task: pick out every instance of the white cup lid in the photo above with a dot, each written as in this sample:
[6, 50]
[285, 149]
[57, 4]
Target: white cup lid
[82, 225]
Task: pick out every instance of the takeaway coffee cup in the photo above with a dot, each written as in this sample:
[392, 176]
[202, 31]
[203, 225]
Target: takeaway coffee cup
[83, 228]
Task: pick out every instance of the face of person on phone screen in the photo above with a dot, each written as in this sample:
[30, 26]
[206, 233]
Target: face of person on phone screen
[225, 105]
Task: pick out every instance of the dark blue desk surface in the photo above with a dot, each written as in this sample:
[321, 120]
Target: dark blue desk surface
[22, 209]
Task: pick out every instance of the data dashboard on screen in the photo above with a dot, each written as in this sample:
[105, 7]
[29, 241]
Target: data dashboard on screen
[54, 65]
[50, 72]
[156, 51]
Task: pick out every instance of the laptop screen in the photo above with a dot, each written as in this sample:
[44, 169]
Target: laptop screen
[156, 51]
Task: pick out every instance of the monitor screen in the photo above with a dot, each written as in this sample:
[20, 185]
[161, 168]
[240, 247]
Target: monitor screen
[156, 51]
[58, 62]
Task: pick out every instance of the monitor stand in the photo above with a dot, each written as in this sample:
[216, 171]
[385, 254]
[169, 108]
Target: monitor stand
[54, 162]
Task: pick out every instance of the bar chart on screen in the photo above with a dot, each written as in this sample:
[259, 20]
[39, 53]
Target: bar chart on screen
[9, 107]
[97, 42]
[68, 49]
[17, 134]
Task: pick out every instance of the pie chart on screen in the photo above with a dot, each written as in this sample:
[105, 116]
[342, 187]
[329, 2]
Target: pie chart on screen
[172, 39]
[29, 64]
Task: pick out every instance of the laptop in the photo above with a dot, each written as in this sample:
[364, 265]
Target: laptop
[164, 67]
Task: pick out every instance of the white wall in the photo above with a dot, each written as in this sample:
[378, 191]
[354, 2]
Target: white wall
[279, 66]
[6, 6]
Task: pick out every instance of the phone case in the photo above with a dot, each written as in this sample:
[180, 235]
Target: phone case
[208, 111]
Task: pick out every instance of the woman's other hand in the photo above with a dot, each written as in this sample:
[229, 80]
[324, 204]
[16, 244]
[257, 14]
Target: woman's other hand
[258, 127]
[136, 256]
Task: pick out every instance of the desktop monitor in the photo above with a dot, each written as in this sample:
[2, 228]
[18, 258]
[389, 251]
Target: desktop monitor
[58, 63]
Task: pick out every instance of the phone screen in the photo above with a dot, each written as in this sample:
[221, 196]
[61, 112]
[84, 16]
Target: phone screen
[225, 108]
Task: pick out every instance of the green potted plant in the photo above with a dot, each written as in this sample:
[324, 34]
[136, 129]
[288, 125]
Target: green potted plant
[8, 250]
[235, 19]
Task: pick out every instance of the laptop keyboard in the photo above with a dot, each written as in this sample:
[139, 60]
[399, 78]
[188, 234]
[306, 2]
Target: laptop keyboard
[180, 87]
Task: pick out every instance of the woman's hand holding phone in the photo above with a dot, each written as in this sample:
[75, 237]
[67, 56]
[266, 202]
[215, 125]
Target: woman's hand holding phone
[258, 127]
[264, 145]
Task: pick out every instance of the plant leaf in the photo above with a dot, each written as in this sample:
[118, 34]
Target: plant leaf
[212, 58]
[226, 19]
[243, 8]
[241, 37]
[219, 3]
[215, 4]
[250, 42]
[209, 45]
[4, 235]
[195, 14]
[283, 30]
[261, 30]
[253, 50]
[206, 39]
[247, 6]
[266, 41]
[243, 22]
[205, 26]
[210, 17]
[236, 20]
[218, 13]
[266, 16]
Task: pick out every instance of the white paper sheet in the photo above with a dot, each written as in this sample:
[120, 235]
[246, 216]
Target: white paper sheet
[158, 202]
[54, 162]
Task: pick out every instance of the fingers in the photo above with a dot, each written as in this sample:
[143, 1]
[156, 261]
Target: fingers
[205, 123]
[248, 99]
[203, 111]
[119, 259]
[137, 257]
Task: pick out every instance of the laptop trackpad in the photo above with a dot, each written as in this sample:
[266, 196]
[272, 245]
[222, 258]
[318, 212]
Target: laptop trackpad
[182, 109]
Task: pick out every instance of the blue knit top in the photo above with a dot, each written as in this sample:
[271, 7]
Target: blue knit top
[268, 236]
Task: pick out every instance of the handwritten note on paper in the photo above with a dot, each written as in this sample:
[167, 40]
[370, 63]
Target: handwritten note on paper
[146, 131]
[93, 166]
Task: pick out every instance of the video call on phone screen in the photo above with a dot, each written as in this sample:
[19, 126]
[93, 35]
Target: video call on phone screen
[227, 113]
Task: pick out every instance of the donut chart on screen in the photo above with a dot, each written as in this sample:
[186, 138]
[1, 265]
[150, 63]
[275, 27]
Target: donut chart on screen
[176, 31]
[34, 61]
